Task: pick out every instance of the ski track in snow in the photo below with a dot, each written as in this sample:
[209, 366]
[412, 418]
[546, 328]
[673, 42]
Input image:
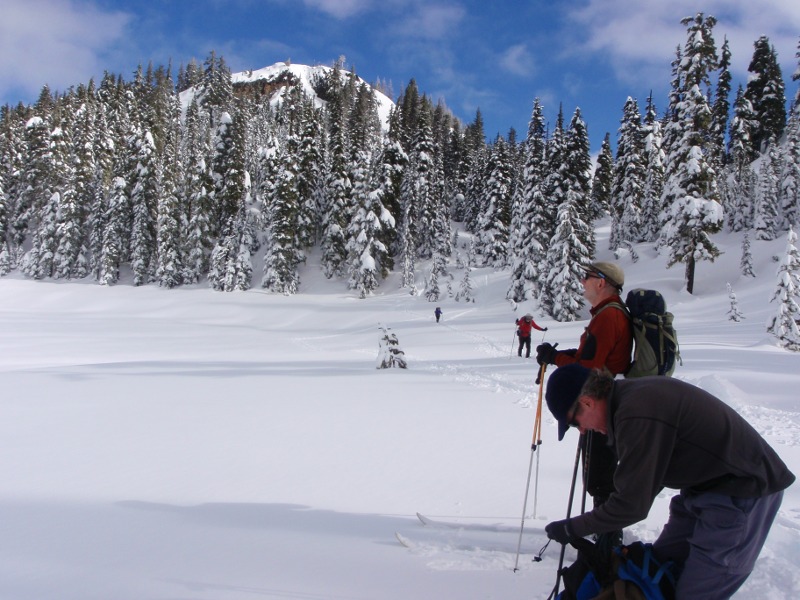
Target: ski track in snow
[497, 381]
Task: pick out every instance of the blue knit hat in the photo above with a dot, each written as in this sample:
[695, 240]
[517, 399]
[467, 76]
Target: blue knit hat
[563, 388]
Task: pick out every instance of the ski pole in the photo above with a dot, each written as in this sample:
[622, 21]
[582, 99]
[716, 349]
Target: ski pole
[537, 441]
[538, 438]
[537, 434]
[578, 452]
[587, 464]
[513, 339]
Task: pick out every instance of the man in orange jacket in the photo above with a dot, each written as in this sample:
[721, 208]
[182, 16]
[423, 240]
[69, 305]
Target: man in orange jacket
[606, 342]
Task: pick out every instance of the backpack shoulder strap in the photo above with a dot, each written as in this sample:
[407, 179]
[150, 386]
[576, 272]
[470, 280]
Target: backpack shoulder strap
[616, 305]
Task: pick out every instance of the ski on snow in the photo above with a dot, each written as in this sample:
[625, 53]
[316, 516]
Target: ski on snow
[431, 523]
[403, 540]
[443, 536]
[436, 524]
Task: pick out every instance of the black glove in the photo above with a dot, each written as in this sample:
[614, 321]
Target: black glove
[546, 354]
[559, 531]
[545, 328]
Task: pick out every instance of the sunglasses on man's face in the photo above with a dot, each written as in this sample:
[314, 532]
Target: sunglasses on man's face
[592, 275]
[575, 410]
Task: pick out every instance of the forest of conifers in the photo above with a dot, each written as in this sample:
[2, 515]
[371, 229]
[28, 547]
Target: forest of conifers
[178, 181]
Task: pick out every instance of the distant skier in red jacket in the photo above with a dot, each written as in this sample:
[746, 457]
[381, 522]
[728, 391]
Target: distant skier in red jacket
[524, 326]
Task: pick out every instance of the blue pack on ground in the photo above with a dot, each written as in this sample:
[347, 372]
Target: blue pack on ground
[638, 565]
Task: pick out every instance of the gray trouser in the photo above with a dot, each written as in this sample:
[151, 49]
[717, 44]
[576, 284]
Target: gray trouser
[715, 539]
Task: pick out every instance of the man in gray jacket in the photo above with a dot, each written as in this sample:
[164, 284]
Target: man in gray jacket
[668, 433]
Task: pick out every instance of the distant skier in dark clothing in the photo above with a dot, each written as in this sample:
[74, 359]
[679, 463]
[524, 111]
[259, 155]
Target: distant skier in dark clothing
[524, 326]
[437, 313]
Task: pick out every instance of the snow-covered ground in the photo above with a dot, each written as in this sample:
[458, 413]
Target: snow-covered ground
[188, 444]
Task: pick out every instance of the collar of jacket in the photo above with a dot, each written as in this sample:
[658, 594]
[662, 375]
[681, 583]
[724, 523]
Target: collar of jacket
[602, 303]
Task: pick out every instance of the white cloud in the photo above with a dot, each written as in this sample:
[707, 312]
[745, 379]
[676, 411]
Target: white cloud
[431, 21]
[518, 60]
[639, 38]
[58, 42]
[340, 9]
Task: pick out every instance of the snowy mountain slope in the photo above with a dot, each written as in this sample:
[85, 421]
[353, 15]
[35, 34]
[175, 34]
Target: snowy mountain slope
[274, 80]
[192, 444]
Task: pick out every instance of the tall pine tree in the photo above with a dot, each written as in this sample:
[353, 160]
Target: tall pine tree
[690, 188]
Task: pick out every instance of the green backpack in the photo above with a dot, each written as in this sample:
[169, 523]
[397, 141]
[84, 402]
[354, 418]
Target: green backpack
[655, 341]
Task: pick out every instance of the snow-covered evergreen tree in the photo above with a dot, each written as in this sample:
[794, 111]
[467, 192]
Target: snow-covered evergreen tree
[169, 264]
[478, 174]
[790, 176]
[337, 196]
[573, 242]
[13, 152]
[563, 292]
[367, 254]
[216, 88]
[114, 233]
[553, 189]
[654, 174]
[432, 290]
[310, 169]
[389, 352]
[721, 108]
[783, 325]
[603, 179]
[5, 255]
[746, 262]
[423, 190]
[198, 191]
[465, 287]
[231, 267]
[393, 163]
[576, 172]
[283, 256]
[69, 260]
[36, 190]
[221, 271]
[228, 168]
[527, 242]
[690, 189]
[144, 200]
[38, 261]
[86, 150]
[493, 224]
[740, 181]
[766, 92]
[766, 209]
[734, 314]
[100, 190]
[627, 191]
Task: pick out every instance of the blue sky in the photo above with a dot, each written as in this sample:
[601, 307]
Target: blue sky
[496, 55]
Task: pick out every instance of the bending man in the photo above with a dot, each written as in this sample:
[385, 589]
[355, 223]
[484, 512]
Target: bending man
[668, 433]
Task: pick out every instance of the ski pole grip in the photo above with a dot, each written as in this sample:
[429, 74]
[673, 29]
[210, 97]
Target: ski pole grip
[542, 369]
